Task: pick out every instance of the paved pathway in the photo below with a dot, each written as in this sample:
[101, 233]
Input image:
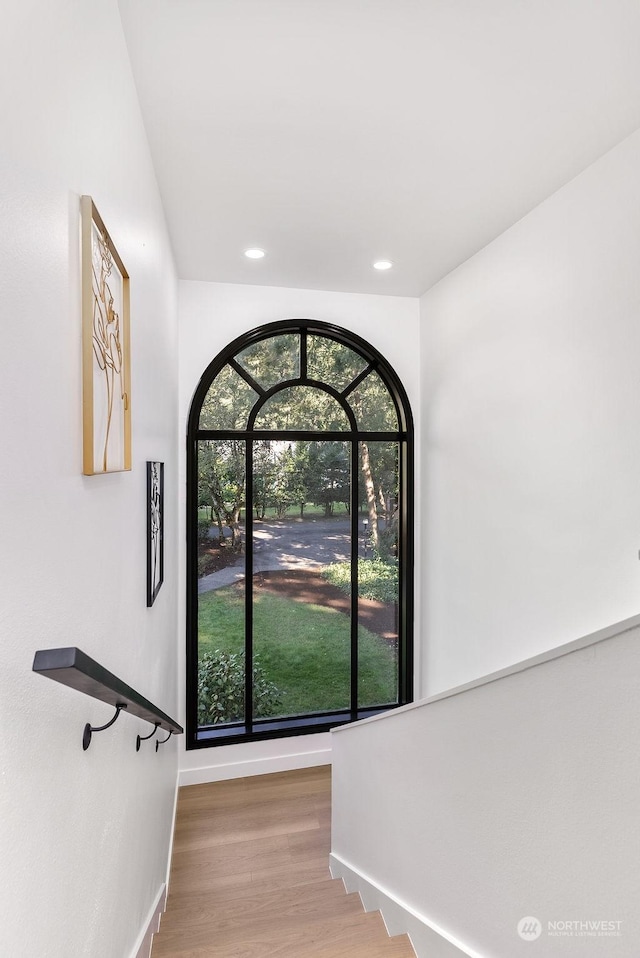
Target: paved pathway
[289, 544]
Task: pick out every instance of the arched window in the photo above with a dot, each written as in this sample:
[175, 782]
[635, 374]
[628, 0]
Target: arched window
[299, 536]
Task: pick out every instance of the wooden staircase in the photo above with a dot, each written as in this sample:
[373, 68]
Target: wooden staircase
[250, 877]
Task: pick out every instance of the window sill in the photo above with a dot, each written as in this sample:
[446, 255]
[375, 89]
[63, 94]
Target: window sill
[279, 728]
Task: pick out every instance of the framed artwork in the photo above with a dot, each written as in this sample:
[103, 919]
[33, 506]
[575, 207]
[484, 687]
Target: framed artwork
[155, 529]
[106, 362]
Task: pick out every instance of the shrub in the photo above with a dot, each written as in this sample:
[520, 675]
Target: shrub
[377, 579]
[221, 689]
[204, 525]
[206, 564]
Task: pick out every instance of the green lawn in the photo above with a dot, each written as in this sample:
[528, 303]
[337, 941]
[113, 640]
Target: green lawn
[303, 648]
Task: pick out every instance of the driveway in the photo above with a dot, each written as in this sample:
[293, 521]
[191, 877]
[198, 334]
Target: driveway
[289, 544]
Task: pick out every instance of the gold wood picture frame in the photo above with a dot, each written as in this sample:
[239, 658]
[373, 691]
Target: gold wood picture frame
[106, 360]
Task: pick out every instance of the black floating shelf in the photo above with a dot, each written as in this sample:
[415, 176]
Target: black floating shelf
[74, 668]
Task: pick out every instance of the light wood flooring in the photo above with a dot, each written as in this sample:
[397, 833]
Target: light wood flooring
[250, 876]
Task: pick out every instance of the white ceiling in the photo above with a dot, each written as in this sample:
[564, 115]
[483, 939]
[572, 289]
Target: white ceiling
[335, 132]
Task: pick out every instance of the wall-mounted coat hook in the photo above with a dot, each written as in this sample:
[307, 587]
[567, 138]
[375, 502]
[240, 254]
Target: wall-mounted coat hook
[161, 741]
[88, 730]
[143, 738]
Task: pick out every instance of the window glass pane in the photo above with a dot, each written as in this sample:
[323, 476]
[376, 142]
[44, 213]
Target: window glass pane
[228, 402]
[272, 361]
[302, 407]
[378, 594]
[221, 578]
[301, 623]
[373, 406]
[333, 363]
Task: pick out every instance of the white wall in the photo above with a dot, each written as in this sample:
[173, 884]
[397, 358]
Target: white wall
[531, 452]
[211, 316]
[84, 836]
[521, 800]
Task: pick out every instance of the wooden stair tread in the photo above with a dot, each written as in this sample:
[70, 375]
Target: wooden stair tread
[262, 915]
[255, 899]
[276, 933]
[244, 884]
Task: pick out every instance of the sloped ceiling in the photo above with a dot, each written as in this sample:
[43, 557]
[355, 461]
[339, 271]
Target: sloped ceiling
[335, 132]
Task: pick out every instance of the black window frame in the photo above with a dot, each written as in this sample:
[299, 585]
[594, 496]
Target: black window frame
[262, 729]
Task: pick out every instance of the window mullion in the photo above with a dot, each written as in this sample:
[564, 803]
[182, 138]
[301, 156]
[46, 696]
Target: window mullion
[405, 573]
[248, 378]
[354, 503]
[248, 587]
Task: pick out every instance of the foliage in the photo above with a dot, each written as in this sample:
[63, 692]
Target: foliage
[331, 362]
[264, 465]
[204, 526]
[329, 474]
[288, 484]
[304, 648]
[388, 538]
[228, 402]
[272, 360]
[377, 579]
[206, 564]
[221, 484]
[296, 407]
[373, 405]
[221, 688]
[280, 476]
[294, 473]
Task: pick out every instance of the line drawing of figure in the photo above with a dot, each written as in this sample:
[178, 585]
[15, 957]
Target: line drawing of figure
[155, 520]
[107, 344]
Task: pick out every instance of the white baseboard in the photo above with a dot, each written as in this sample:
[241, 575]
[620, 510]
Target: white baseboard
[256, 766]
[143, 947]
[151, 927]
[172, 836]
[428, 940]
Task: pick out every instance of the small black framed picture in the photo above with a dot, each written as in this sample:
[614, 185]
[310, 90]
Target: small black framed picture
[155, 529]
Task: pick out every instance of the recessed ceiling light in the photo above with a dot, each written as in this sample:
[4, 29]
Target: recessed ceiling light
[254, 253]
[382, 264]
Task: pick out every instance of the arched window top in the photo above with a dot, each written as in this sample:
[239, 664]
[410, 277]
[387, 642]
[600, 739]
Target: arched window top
[298, 376]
